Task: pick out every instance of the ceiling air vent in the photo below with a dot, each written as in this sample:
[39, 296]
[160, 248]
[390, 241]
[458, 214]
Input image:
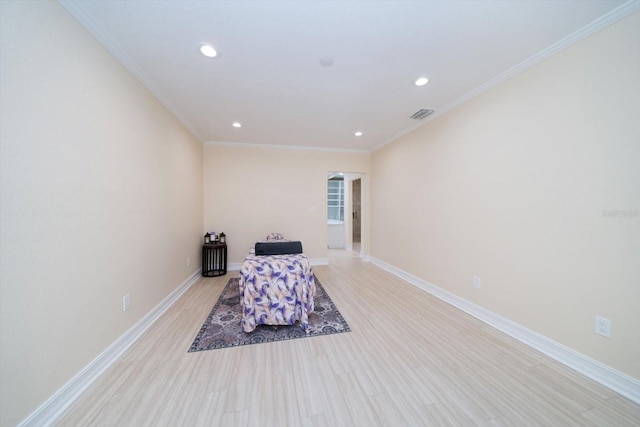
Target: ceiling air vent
[421, 114]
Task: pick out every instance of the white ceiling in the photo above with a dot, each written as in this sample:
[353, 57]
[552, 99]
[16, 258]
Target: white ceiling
[268, 74]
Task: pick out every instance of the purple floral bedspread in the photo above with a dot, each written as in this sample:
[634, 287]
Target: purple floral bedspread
[276, 290]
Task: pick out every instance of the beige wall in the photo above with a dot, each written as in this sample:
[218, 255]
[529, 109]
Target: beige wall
[251, 191]
[512, 187]
[104, 193]
[101, 196]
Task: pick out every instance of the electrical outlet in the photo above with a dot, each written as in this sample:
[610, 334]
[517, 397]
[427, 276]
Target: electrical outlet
[477, 282]
[126, 302]
[603, 327]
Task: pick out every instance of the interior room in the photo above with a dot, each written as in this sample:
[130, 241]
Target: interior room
[485, 253]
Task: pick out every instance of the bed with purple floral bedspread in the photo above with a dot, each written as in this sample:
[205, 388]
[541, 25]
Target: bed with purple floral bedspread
[276, 290]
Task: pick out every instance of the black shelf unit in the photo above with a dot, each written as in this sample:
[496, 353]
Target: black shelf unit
[214, 259]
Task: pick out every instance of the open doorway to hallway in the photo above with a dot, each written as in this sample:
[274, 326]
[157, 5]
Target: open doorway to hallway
[356, 215]
[346, 211]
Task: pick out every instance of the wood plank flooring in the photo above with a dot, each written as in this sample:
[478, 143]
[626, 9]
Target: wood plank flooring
[410, 360]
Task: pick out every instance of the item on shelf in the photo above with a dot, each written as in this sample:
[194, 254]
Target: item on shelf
[207, 239]
[223, 238]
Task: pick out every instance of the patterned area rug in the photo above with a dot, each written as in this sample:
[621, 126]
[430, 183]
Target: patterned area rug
[223, 329]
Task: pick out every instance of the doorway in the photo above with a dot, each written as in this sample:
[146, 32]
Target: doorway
[347, 211]
[356, 214]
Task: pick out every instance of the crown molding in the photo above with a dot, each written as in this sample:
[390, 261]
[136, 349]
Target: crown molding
[601, 23]
[284, 147]
[604, 21]
[103, 38]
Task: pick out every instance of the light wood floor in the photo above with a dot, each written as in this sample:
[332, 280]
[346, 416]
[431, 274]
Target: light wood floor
[410, 360]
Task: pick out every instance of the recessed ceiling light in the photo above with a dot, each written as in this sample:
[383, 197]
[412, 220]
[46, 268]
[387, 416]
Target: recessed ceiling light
[208, 50]
[421, 81]
[236, 125]
[358, 133]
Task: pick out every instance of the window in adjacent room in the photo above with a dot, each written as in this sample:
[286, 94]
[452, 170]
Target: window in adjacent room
[335, 198]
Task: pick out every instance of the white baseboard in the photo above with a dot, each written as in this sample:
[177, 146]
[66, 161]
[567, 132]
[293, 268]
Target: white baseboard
[617, 381]
[235, 266]
[55, 406]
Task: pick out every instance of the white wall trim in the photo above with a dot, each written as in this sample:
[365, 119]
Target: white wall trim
[601, 23]
[235, 266]
[55, 406]
[617, 381]
[285, 147]
[105, 39]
